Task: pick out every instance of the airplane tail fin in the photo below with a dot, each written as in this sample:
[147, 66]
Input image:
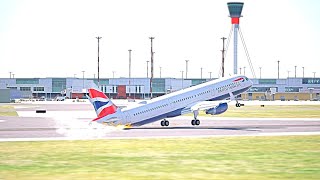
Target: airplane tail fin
[101, 103]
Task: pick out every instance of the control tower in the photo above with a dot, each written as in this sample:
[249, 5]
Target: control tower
[235, 9]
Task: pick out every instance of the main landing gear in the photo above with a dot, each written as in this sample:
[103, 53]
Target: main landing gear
[195, 121]
[164, 123]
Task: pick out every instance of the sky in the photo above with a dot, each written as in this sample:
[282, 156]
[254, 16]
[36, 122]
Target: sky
[57, 38]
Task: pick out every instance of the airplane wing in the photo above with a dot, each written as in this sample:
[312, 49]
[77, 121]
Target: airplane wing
[210, 107]
[201, 106]
[204, 105]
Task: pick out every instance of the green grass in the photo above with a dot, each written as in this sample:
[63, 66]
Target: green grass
[7, 111]
[287, 157]
[273, 111]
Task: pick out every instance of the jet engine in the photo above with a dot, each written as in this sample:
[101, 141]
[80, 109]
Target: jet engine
[219, 109]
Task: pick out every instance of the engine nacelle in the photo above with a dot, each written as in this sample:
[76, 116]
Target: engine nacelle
[221, 108]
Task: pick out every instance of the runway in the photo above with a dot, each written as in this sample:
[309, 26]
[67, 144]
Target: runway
[65, 122]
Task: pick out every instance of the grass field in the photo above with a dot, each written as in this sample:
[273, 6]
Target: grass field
[286, 157]
[273, 111]
[7, 111]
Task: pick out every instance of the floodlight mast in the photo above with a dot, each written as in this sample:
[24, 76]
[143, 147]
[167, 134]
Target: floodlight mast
[235, 9]
[98, 60]
[151, 78]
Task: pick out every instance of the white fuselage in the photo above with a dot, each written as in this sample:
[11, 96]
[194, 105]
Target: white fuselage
[177, 103]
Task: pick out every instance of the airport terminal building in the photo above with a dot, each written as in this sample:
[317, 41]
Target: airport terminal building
[139, 88]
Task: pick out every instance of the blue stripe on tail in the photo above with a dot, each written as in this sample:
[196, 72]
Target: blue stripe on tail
[99, 104]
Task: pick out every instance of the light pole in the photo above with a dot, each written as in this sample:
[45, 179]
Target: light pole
[288, 74]
[160, 71]
[182, 79]
[244, 70]
[151, 38]
[187, 69]
[147, 69]
[295, 71]
[129, 62]
[302, 72]
[210, 74]
[240, 70]
[10, 74]
[113, 74]
[201, 72]
[222, 66]
[129, 72]
[278, 68]
[260, 71]
[314, 74]
[83, 79]
[98, 61]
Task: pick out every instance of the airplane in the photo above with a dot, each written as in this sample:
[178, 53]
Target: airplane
[190, 100]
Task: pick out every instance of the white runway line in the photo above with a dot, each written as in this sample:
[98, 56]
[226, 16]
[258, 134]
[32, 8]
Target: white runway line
[24, 107]
[257, 119]
[290, 134]
[157, 137]
[2, 120]
[66, 114]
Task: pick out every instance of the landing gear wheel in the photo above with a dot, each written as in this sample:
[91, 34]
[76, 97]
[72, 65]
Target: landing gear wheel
[195, 122]
[192, 122]
[238, 104]
[164, 123]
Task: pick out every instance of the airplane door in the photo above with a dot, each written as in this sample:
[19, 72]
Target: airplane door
[212, 92]
[242, 84]
[171, 104]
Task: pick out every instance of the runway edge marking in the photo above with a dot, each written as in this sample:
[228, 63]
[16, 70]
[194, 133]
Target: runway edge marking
[159, 137]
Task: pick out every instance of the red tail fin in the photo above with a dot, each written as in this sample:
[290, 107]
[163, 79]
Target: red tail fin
[101, 103]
